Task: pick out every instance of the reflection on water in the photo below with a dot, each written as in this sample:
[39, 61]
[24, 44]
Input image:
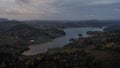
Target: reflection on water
[60, 42]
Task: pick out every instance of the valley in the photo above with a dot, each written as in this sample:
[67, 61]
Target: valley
[76, 45]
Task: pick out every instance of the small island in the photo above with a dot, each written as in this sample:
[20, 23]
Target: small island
[80, 35]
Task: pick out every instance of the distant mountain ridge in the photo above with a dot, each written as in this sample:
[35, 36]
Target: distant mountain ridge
[5, 25]
[25, 32]
[3, 19]
[113, 28]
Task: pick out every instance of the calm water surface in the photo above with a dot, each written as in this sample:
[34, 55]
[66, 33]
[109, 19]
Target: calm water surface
[61, 41]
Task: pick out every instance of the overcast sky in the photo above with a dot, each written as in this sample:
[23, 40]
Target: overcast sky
[60, 9]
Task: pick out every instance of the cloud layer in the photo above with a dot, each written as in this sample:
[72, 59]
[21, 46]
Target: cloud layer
[60, 9]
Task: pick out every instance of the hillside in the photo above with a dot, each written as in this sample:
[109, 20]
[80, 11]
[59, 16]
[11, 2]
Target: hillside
[20, 35]
[3, 19]
[5, 25]
[27, 33]
[101, 50]
[113, 28]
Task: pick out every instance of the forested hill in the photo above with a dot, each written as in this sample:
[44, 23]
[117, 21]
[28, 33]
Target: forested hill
[5, 25]
[113, 28]
[3, 19]
[15, 36]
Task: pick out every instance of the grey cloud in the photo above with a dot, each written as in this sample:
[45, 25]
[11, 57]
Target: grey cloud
[23, 1]
[65, 9]
[11, 12]
[79, 9]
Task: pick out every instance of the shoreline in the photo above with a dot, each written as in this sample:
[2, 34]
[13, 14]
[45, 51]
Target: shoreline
[25, 52]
